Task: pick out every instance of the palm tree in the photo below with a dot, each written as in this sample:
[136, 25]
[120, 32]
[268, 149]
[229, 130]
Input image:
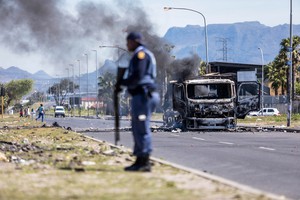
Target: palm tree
[283, 53]
[106, 86]
[273, 74]
[277, 71]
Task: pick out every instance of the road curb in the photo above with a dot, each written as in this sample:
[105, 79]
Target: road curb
[211, 177]
[221, 180]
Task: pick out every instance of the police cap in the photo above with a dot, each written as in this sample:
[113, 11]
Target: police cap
[135, 36]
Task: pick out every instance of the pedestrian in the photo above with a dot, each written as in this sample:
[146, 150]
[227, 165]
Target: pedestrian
[28, 112]
[41, 112]
[140, 84]
[25, 112]
[21, 112]
[32, 113]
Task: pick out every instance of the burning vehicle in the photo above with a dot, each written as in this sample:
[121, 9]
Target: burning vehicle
[212, 101]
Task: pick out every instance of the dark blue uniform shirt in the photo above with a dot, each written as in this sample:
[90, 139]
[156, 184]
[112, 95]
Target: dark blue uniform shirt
[141, 71]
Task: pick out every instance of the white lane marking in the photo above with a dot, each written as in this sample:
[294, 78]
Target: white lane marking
[197, 138]
[174, 135]
[267, 148]
[230, 143]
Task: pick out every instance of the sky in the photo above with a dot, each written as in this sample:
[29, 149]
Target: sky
[36, 55]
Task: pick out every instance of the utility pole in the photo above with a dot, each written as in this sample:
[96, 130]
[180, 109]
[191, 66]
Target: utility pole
[262, 81]
[97, 111]
[87, 88]
[79, 99]
[224, 48]
[290, 64]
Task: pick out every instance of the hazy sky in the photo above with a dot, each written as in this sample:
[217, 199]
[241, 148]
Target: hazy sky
[268, 12]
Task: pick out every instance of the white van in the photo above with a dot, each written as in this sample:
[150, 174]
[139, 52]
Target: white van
[59, 111]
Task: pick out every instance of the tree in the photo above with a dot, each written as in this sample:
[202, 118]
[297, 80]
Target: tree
[277, 71]
[297, 87]
[283, 54]
[61, 89]
[106, 84]
[16, 89]
[36, 96]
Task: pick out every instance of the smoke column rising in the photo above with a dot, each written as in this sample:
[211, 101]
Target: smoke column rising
[31, 26]
[35, 25]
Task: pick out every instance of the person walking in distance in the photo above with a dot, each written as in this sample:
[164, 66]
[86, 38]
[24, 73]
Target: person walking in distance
[140, 84]
[41, 112]
[32, 113]
[21, 112]
[28, 112]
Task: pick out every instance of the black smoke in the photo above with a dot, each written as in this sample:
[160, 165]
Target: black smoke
[45, 27]
[184, 69]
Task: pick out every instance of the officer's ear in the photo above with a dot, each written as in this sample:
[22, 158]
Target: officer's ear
[130, 45]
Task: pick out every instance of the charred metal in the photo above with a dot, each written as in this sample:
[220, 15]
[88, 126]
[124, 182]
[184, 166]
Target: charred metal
[212, 101]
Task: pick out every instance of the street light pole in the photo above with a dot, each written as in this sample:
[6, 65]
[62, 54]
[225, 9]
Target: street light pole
[205, 27]
[96, 82]
[79, 89]
[68, 86]
[112, 46]
[290, 64]
[73, 98]
[87, 66]
[58, 85]
[262, 79]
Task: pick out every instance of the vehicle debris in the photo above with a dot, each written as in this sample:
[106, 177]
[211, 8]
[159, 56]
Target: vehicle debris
[212, 101]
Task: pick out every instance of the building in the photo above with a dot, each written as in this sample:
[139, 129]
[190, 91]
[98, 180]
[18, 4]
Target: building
[227, 67]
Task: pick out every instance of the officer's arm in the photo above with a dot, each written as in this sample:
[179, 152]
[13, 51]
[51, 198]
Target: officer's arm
[138, 71]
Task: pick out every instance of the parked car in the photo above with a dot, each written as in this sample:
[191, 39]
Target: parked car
[265, 112]
[59, 111]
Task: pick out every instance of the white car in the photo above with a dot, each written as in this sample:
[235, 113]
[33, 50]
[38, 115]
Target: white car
[59, 111]
[265, 112]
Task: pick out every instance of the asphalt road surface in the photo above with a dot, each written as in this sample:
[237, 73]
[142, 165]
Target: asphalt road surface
[268, 161]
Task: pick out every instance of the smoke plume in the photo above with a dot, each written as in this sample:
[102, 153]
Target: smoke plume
[44, 27]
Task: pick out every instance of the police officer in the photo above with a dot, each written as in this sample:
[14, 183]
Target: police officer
[141, 86]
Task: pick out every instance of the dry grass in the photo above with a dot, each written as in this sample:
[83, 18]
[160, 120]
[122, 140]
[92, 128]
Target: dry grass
[279, 121]
[53, 163]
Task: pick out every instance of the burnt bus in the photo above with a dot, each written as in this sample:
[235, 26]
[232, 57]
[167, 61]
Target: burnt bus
[213, 101]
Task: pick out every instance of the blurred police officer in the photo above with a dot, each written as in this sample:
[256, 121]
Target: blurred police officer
[141, 85]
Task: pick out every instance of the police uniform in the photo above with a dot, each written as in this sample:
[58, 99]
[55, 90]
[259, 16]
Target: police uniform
[141, 85]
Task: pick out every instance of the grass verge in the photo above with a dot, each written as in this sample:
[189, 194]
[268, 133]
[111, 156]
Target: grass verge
[280, 121]
[53, 163]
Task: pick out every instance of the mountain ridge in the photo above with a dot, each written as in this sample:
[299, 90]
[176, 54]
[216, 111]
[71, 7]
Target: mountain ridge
[13, 73]
[238, 42]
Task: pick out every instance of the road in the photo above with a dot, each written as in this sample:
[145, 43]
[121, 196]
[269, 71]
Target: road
[268, 161]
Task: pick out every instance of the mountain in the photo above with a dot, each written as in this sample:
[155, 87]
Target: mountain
[41, 75]
[13, 73]
[41, 78]
[236, 42]
[108, 66]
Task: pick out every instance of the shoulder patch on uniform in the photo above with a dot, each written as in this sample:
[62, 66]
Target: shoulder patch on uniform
[141, 55]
